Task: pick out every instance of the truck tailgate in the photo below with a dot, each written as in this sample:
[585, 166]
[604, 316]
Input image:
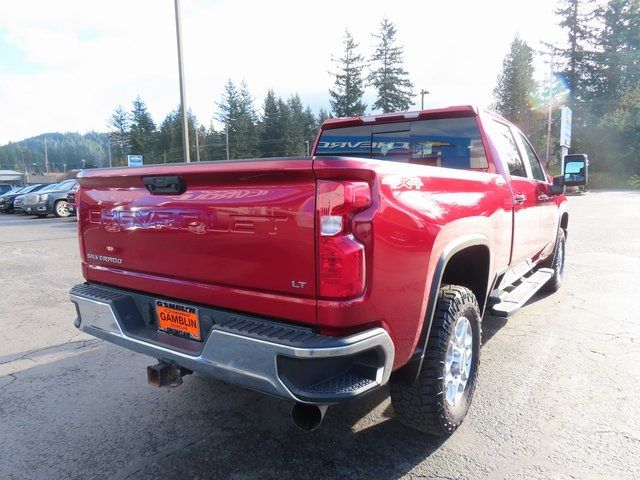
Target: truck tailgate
[246, 225]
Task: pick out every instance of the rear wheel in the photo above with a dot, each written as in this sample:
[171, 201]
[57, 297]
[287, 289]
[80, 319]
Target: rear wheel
[439, 399]
[61, 209]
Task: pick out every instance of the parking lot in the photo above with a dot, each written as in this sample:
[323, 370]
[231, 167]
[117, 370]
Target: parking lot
[557, 396]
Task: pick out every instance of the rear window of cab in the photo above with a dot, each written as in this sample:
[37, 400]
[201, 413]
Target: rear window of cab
[449, 143]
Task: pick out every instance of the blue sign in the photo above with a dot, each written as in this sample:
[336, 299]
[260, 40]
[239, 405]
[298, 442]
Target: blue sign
[134, 160]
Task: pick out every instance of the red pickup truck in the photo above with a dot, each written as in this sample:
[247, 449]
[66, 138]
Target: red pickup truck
[321, 279]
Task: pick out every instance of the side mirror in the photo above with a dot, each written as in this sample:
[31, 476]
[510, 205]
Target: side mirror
[557, 187]
[575, 169]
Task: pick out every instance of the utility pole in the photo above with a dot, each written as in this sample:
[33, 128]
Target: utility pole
[183, 96]
[549, 115]
[109, 142]
[423, 92]
[551, 53]
[306, 146]
[46, 156]
[197, 145]
[226, 137]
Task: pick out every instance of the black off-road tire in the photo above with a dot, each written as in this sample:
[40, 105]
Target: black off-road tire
[557, 263]
[423, 405]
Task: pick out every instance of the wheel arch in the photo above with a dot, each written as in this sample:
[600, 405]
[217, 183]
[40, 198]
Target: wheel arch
[564, 222]
[452, 268]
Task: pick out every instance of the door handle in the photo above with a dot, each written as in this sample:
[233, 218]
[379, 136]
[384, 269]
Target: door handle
[519, 198]
[543, 198]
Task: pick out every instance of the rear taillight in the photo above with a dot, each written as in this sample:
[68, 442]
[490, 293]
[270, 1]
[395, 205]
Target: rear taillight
[341, 259]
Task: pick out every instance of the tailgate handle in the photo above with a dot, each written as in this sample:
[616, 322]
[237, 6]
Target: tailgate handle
[165, 185]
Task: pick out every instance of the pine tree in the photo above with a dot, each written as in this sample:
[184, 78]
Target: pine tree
[271, 127]
[237, 112]
[247, 125]
[619, 52]
[297, 128]
[346, 95]
[624, 124]
[322, 116]
[576, 18]
[142, 131]
[516, 85]
[169, 137]
[285, 140]
[388, 75]
[119, 135]
[310, 128]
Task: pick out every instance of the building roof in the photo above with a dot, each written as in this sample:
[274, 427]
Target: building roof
[8, 175]
[50, 178]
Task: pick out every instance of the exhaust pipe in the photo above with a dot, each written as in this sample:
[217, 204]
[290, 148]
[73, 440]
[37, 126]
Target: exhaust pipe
[166, 375]
[307, 417]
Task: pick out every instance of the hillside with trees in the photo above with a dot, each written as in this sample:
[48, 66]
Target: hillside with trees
[65, 151]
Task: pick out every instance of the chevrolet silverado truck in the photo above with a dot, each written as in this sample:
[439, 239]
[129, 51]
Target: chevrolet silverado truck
[321, 279]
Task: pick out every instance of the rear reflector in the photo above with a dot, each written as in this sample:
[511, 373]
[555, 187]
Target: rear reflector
[342, 270]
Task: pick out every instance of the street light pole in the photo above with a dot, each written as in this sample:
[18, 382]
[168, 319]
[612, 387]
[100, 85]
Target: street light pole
[46, 156]
[423, 92]
[183, 97]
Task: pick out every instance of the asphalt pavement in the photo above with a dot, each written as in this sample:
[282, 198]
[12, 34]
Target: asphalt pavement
[558, 394]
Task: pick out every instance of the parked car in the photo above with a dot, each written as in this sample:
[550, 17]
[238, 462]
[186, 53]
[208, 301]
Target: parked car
[7, 200]
[18, 202]
[12, 191]
[320, 279]
[5, 188]
[71, 199]
[50, 200]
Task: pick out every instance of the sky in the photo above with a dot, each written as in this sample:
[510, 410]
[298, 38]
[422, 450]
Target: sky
[66, 64]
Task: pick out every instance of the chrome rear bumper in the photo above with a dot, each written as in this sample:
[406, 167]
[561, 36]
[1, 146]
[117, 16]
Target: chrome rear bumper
[278, 359]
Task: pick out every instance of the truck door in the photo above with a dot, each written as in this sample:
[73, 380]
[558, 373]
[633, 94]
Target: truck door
[526, 214]
[548, 210]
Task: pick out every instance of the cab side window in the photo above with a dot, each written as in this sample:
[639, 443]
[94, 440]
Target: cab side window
[508, 150]
[532, 158]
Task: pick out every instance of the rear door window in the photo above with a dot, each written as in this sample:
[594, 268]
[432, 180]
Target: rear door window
[507, 148]
[532, 158]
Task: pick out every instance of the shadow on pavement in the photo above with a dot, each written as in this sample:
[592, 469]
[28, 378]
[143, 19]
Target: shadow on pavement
[490, 326]
[90, 413]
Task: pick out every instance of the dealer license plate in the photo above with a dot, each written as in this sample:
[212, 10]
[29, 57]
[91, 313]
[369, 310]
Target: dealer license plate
[178, 319]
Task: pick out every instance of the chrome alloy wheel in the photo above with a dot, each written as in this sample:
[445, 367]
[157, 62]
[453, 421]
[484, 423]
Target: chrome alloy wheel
[62, 209]
[457, 366]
